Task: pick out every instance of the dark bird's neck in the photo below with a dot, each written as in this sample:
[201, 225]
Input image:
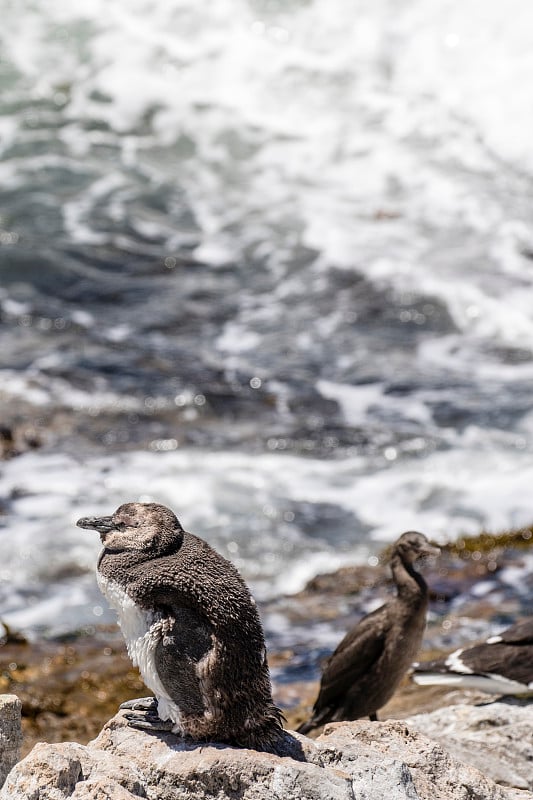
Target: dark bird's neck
[411, 586]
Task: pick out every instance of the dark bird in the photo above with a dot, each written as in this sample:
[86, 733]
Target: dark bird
[192, 628]
[367, 666]
[501, 664]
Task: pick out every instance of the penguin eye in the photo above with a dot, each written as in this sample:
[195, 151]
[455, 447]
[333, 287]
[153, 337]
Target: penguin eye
[121, 526]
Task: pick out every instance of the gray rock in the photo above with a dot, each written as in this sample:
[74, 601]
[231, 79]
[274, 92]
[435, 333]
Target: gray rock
[389, 760]
[10, 733]
[351, 761]
[495, 737]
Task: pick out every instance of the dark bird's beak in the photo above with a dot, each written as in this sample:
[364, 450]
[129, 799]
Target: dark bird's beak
[100, 524]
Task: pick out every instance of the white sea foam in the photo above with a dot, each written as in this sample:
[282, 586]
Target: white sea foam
[377, 112]
[305, 123]
[237, 502]
[389, 141]
[359, 403]
[39, 389]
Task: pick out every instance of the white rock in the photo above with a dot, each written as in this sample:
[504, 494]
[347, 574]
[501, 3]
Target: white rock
[351, 761]
[10, 733]
[495, 737]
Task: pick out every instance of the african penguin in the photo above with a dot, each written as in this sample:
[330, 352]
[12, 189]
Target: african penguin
[192, 628]
[369, 663]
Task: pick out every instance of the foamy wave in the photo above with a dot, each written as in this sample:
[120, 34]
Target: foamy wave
[291, 143]
[243, 506]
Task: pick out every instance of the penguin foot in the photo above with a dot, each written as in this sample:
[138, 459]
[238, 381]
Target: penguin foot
[141, 704]
[149, 722]
[148, 718]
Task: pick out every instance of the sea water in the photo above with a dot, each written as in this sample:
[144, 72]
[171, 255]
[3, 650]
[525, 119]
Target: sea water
[270, 263]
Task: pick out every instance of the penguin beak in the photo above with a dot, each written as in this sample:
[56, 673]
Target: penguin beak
[101, 524]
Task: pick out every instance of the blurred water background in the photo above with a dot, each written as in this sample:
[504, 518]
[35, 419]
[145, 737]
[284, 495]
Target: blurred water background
[269, 263]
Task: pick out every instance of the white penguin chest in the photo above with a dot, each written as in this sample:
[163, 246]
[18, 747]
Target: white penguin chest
[135, 622]
[142, 631]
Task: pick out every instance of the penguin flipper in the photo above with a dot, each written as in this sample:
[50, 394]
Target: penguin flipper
[186, 641]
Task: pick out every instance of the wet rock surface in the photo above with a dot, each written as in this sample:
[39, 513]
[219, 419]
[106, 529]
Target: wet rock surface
[68, 689]
[18, 438]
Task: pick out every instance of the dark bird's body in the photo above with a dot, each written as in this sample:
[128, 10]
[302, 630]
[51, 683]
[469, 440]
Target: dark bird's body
[192, 628]
[500, 665]
[367, 666]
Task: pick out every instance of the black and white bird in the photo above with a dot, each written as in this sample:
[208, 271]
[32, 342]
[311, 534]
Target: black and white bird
[501, 664]
[192, 628]
[369, 663]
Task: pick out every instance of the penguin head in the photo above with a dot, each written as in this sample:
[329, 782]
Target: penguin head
[413, 545]
[146, 527]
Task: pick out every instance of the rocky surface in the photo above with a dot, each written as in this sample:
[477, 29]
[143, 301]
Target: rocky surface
[350, 761]
[18, 438]
[495, 737]
[68, 689]
[10, 733]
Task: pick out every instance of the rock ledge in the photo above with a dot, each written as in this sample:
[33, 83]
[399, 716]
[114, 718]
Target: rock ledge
[10, 733]
[350, 761]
